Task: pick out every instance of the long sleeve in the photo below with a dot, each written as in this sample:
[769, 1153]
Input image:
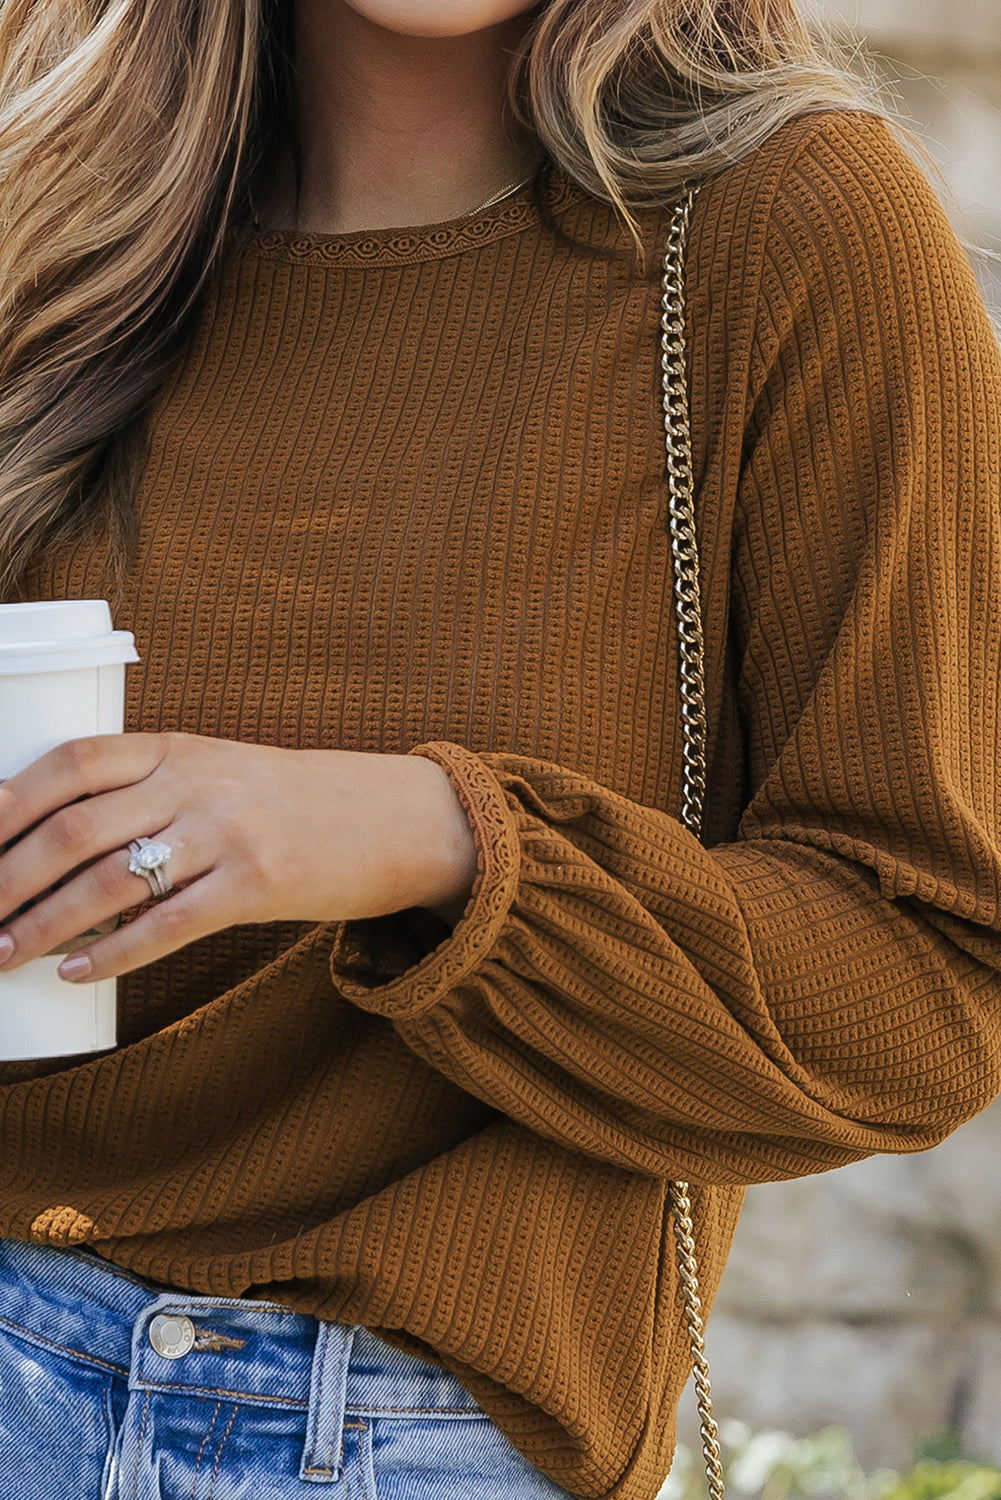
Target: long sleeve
[826, 983]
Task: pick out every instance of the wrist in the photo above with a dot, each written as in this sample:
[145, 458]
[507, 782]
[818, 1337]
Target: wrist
[447, 855]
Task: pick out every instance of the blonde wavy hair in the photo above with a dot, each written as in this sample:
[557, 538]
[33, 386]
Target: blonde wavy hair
[131, 135]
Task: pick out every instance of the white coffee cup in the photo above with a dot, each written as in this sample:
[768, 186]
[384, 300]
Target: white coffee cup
[62, 677]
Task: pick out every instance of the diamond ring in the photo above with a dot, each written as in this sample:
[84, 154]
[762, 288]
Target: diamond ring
[148, 858]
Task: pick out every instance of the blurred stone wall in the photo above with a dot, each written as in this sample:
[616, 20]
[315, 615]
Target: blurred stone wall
[871, 1297]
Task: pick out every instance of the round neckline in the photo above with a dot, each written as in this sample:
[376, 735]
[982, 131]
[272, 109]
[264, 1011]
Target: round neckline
[409, 244]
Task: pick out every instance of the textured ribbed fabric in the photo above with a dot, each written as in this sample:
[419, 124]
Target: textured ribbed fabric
[406, 493]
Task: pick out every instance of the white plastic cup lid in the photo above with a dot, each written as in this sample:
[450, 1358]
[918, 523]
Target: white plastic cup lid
[57, 635]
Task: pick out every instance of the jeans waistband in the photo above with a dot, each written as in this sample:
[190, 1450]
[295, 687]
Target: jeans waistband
[244, 1350]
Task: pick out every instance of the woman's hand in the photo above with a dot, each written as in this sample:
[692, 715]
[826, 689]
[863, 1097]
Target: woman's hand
[256, 835]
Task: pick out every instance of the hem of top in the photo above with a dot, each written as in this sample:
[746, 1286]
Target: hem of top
[498, 848]
[412, 244]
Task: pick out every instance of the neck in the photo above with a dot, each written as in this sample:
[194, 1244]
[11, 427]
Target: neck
[394, 130]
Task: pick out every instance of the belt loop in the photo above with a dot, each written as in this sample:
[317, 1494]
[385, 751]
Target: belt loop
[322, 1457]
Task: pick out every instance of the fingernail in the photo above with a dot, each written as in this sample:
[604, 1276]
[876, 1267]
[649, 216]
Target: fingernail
[6, 948]
[77, 967]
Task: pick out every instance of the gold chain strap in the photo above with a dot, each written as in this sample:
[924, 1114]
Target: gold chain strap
[684, 548]
[685, 554]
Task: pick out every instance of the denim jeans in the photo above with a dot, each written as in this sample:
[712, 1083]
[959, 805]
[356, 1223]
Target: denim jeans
[114, 1389]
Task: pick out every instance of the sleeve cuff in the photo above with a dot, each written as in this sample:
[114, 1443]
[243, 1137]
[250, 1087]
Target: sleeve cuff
[363, 951]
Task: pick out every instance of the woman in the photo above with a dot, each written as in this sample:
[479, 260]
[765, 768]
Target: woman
[417, 1040]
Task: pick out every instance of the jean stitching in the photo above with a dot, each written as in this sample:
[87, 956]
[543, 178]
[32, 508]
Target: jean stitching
[139, 1449]
[418, 1411]
[343, 1468]
[90, 1359]
[183, 1303]
[218, 1457]
[226, 1395]
[201, 1450]
[361, 1463]
[109, 1417]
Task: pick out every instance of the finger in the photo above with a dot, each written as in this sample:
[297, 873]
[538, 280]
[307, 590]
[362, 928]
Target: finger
[92, 897]
[205, 906]
[76, 835]
[78, 768]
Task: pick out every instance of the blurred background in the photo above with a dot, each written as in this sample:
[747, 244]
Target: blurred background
[869, 1300]
[942, 58]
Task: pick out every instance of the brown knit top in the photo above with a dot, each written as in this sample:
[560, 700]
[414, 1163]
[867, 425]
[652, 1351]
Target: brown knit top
[406, 493]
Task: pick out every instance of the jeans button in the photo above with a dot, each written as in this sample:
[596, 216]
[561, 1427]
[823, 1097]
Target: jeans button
[172, 1335]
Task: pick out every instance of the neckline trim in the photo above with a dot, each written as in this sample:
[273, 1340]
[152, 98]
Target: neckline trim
[410, 244]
